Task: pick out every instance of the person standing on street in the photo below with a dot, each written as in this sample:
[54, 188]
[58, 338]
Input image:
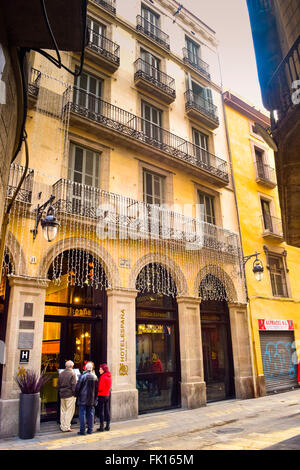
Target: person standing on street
[86, 393]
[66, 385]
[104, 389]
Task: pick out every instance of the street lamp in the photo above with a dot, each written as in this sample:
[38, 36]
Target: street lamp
[258, 268]
[49, 223]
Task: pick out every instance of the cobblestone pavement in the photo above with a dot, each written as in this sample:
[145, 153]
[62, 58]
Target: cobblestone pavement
[230, 425]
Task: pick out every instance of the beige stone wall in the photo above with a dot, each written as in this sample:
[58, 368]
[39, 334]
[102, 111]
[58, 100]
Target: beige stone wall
[8, 120]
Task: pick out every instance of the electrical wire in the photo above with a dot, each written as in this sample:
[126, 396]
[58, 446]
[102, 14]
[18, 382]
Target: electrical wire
[57, 62]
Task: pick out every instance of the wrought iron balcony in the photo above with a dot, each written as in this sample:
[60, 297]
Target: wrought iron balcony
[196, 63]
[152, 31]
[265, 175]
[155, 81]
[107, 51]
[122, 217]
[34, 82]
[272, 227]
[198, 107]
[140, 130]
[109, 5]
[280, 88]
[15, 174]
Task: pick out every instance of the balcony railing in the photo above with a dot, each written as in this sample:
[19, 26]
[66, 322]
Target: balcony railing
[152, 31]
[122, 217]
[280, 89]
[34, 82]
[194, 100]
[105, 47]
[15, 174]
[195, 62]
[130, 125]
[265, 173]
[272, 226]
[153, 75]
[109, 5]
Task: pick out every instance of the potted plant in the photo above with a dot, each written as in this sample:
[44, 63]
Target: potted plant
[30, 383]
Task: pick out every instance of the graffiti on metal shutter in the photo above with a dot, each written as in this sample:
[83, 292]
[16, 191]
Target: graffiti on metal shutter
[278, 359]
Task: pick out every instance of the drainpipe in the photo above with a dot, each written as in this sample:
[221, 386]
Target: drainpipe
[250, 328]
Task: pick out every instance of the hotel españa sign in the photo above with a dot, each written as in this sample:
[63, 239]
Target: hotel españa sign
[123, 369]
[273, 325]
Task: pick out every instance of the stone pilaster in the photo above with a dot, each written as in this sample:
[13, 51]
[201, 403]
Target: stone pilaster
[193, 388]
[24, 332]
[241, 347]
[121, 352]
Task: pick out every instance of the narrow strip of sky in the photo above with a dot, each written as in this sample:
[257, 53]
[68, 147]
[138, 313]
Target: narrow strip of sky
[230, 20]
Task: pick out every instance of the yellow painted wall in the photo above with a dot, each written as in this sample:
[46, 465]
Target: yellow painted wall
[262, 304]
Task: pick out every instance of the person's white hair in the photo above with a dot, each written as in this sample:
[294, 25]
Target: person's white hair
[69, 364]
[89, 366]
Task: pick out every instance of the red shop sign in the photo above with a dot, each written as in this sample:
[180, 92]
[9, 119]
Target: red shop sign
[283, 325]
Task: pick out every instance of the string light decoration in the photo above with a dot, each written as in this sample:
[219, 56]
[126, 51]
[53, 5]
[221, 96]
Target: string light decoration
[125, 230]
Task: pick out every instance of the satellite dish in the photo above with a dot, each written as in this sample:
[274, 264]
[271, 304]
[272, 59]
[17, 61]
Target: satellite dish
[266, 135]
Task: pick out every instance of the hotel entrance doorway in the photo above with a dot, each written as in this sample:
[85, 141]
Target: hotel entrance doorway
[74, 329]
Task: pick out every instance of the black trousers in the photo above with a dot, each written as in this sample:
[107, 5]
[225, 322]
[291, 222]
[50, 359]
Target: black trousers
[104, 411]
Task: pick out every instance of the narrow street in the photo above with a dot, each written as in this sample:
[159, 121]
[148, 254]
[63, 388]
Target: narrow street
[255, 424]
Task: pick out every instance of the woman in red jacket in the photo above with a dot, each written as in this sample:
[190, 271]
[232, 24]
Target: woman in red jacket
[103, 397]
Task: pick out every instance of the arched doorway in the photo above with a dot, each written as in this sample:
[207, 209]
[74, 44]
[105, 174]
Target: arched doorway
[216, 340]
[157, 340]
[74, 321]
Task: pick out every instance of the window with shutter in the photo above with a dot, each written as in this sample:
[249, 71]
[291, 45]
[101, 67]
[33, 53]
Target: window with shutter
[153, 188]
[278, 276]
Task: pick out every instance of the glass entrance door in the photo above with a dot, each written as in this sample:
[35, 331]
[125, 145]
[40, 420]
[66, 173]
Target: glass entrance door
[62, 340]
[51, 349]
[156, 362]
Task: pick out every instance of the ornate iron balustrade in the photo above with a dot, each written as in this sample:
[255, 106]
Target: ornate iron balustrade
[194, 100]
[154, 76]
[109, 5]
[105, 47]
[272, 225]
[195, 62]
[122, 217]
[15, 174]
[152, 31]
[266, 173]
[280, 88]
[130, 125]
[34, 82]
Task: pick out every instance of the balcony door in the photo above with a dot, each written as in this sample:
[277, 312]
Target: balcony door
[84, 168]
[152, 118]
[88, 90]
[150, 21]
[97, 34]
[193, 51]
[150, 64]
[201, 147]
[267, 217]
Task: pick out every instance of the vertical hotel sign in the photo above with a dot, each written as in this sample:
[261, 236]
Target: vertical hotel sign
[123, 369]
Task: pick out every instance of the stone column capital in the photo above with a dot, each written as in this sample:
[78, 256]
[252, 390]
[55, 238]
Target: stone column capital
[232, 305]
[122, 292]
[188, 300]
[32, 282]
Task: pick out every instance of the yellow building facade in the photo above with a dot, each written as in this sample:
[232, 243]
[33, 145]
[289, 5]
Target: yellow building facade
[146, 270]
[274, 303]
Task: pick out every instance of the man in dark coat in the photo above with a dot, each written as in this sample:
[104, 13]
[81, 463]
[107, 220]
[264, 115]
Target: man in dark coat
[86, 393]
[66, 386]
